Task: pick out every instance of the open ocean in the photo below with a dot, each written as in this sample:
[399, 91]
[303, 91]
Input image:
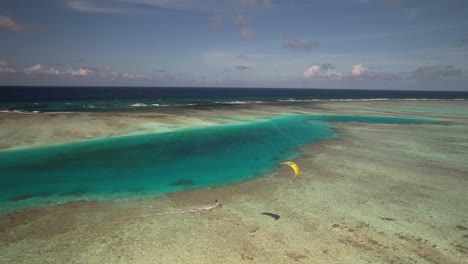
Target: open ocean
[109, 99]
[173, 161]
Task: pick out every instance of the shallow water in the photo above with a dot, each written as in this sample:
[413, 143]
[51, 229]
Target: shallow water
[161, 163]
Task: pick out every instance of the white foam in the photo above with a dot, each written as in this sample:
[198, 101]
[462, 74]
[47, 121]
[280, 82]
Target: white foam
[295, 100]
[240, 102]
[234, 102]
[369, 99]
[19, 112]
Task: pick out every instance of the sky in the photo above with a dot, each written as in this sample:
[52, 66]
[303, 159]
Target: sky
[349, 44]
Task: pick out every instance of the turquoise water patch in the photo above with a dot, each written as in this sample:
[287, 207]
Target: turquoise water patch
[371, 119]
[160, 163]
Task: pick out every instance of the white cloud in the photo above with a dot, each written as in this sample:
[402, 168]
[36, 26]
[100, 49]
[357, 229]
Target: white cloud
[93, 7]
[5, 67]
[320, 71]
[39, 69]
[360, 72]
[68, 75]
[106, 73]
[11, 25]
[328, 71]
[247, 33]
[79, 72]
[134, 76]
[358, 69]
[242, 20]
[312, 71]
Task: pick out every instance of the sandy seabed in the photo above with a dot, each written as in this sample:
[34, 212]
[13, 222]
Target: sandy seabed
[380, 193]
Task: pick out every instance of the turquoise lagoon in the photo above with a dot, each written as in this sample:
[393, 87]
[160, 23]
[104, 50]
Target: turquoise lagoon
[128, 166]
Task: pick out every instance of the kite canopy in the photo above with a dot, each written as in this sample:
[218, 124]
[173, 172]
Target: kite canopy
[293, 166]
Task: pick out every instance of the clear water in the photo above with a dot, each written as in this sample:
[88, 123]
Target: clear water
[161, 163]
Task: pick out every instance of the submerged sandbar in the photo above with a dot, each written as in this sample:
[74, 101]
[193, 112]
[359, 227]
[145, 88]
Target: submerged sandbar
[379, 193]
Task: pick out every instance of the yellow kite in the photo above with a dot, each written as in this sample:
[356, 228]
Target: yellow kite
[294, 166]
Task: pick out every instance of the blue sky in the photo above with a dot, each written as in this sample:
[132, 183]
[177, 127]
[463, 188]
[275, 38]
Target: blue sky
[368, 44]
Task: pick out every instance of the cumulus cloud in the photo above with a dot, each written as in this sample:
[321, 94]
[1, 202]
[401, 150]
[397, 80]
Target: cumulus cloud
[358, 69]
[298, 44]
[217, 21]
[242, 67]
[134, 76]
[9, 24]
[79, 72]
[39, 69]
[247, 33]
[358, 72]
[327, 71]
[62, 75]
[242, 20]
[105, 73]
[322, 71]
[5, 67]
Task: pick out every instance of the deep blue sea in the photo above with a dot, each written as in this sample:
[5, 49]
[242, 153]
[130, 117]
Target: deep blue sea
[158, 163]
[108, 99]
